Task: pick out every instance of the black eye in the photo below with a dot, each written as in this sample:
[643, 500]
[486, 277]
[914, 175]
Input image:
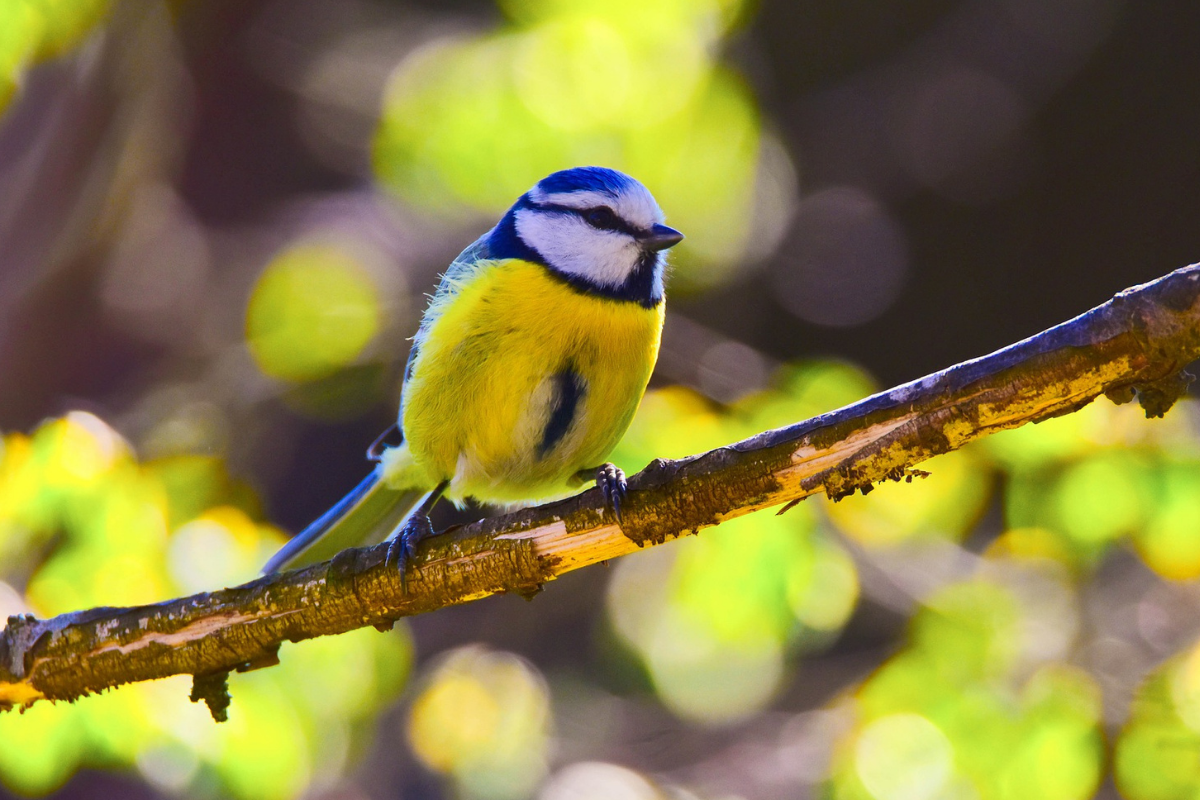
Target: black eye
[602, 217]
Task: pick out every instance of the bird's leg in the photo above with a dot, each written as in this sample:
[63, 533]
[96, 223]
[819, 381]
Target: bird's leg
[415, 528]
[611, 480]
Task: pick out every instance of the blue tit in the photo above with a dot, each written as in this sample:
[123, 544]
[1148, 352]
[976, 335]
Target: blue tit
[527, 368]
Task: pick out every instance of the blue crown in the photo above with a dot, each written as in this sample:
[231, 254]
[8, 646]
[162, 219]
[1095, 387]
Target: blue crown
[587, 179]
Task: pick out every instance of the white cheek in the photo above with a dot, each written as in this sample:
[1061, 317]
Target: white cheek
[572, 246]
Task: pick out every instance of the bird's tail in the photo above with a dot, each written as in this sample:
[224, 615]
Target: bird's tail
[370, 513]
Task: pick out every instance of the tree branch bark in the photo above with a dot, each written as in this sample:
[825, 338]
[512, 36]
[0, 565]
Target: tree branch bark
[1137, 344]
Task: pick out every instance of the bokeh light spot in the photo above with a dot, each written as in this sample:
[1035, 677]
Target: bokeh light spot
[89, 446]
[970, 630]
[593, 780]
[824, 596]
[702, 679]
[312, 311]
[40, 749]
[1169, 541]
[483, 718]
[1101, 498]
[219, 548]
[263, 751]
[168, 766]
[1155, 756]
[32, 30]
[848, 263]
[962, 136]
[729, 370]
[574, 73]
[711, 616]
[904, 757]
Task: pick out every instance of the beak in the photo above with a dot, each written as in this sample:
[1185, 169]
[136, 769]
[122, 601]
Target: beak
[660, 237]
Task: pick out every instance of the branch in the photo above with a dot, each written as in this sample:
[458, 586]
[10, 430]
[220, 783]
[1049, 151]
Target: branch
[1137, 344]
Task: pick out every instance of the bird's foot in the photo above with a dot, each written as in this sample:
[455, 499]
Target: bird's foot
[613, 486]
[404, 544]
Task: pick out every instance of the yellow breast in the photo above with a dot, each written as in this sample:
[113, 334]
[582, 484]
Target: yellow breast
[480, 403]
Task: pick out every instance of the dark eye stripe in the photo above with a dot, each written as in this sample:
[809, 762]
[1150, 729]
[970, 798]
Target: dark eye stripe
[618, 224]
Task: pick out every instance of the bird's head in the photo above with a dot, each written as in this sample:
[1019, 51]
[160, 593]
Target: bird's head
[598, 229]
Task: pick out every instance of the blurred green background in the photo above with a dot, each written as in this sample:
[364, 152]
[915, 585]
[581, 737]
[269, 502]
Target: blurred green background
[218, 224]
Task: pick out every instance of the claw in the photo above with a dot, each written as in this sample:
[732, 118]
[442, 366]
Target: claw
[613, 486]
[404, 544]
[415, 528]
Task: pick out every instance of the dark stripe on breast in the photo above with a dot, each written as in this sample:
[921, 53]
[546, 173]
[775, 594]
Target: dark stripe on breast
[566, 391]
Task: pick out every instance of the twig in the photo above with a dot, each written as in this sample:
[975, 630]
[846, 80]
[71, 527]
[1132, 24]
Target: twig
[1137, 344]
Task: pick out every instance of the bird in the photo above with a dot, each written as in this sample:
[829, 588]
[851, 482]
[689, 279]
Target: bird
[526, 369]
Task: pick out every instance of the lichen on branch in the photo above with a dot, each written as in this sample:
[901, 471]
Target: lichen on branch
[1134, 346]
